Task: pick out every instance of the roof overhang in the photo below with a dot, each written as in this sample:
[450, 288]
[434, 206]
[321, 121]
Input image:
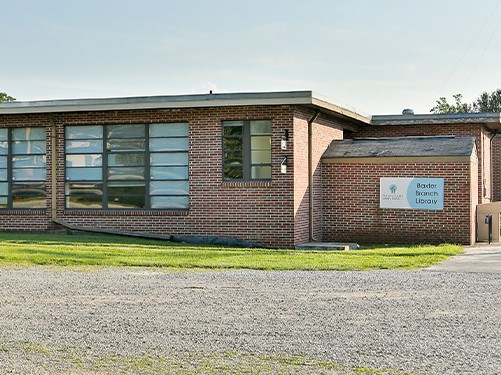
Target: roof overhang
[299, 98]
[491, 120]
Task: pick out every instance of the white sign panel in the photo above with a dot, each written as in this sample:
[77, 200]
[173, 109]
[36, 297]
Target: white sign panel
[411, 193]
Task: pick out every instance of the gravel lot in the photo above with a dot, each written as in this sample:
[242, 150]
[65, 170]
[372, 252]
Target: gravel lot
[55, 320]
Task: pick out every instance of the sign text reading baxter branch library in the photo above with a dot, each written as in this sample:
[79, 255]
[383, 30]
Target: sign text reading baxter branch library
[411, 193]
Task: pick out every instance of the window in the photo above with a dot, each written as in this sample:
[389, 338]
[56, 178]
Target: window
[127, 166]
[247, 150]
[22, 168]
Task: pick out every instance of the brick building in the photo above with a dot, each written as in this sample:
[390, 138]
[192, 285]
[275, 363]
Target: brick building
[259, 167]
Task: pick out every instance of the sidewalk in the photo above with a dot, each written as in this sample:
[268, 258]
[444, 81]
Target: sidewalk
[482, 258]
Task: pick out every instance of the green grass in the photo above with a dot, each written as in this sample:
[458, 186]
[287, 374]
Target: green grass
[78, 361]
[112, 251]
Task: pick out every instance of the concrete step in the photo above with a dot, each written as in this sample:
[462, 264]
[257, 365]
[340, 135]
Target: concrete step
[327, 246]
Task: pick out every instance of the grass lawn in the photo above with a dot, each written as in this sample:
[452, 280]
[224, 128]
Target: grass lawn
[89, 362]
[112, 251]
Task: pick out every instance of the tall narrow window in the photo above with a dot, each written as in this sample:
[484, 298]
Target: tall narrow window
[247, 150]
[169, 186]
[127, 166]
[28, 168]
[4, 168]
[125, 148]
[84, 166]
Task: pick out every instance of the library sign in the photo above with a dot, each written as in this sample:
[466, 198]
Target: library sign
[411, 193]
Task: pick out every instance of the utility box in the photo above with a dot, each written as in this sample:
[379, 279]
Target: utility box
[483, 212]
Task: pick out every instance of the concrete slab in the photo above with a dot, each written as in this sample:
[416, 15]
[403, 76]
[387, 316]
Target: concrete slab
[482, 258]
[327, 246]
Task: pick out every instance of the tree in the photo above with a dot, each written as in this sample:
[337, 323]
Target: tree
[6, 98]
[459, 107]
[488, 102]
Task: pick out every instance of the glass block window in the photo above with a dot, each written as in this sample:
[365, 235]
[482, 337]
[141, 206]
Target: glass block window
[23, 168]
[127, 166]
[247, 150]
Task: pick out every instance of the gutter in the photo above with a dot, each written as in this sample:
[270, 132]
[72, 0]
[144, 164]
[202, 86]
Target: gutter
[310, 176]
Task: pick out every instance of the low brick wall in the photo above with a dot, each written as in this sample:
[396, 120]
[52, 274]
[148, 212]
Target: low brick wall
[351, 210]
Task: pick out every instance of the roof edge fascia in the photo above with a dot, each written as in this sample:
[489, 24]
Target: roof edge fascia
[156, 102]
[343, 111]
[301, 98]
[429, 119]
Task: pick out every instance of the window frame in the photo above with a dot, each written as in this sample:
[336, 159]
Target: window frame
[105, 180]
[247, 163]
[10, 155]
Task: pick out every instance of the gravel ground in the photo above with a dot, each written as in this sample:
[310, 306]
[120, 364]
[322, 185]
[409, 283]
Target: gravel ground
[54, 320]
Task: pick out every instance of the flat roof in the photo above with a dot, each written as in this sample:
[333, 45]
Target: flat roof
[301, 98]
[492, 120]
[400, 147]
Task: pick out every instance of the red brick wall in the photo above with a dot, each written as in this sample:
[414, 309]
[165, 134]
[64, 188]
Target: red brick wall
[301, 202]
[33, 220]
[265, 212]
[352, 213]
[255, 211]
[472, 130]
[324, 132]
[274, 213]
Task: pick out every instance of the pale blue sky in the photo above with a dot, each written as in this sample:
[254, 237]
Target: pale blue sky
[376, 56]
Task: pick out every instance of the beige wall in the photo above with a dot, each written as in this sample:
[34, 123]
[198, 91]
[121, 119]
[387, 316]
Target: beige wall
[482, 228]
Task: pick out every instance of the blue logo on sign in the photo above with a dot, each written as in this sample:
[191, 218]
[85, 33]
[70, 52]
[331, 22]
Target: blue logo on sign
[393, 189]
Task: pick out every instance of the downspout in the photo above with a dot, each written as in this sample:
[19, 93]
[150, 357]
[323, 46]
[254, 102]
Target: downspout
[53, 166]
[491, 139]
[310, 176]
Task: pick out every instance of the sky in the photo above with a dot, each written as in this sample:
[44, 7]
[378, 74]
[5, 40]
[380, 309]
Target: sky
[371, 56]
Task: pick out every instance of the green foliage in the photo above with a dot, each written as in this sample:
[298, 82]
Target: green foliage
[6, 98]
[488, 102]
[458, 107]
[109, 251]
